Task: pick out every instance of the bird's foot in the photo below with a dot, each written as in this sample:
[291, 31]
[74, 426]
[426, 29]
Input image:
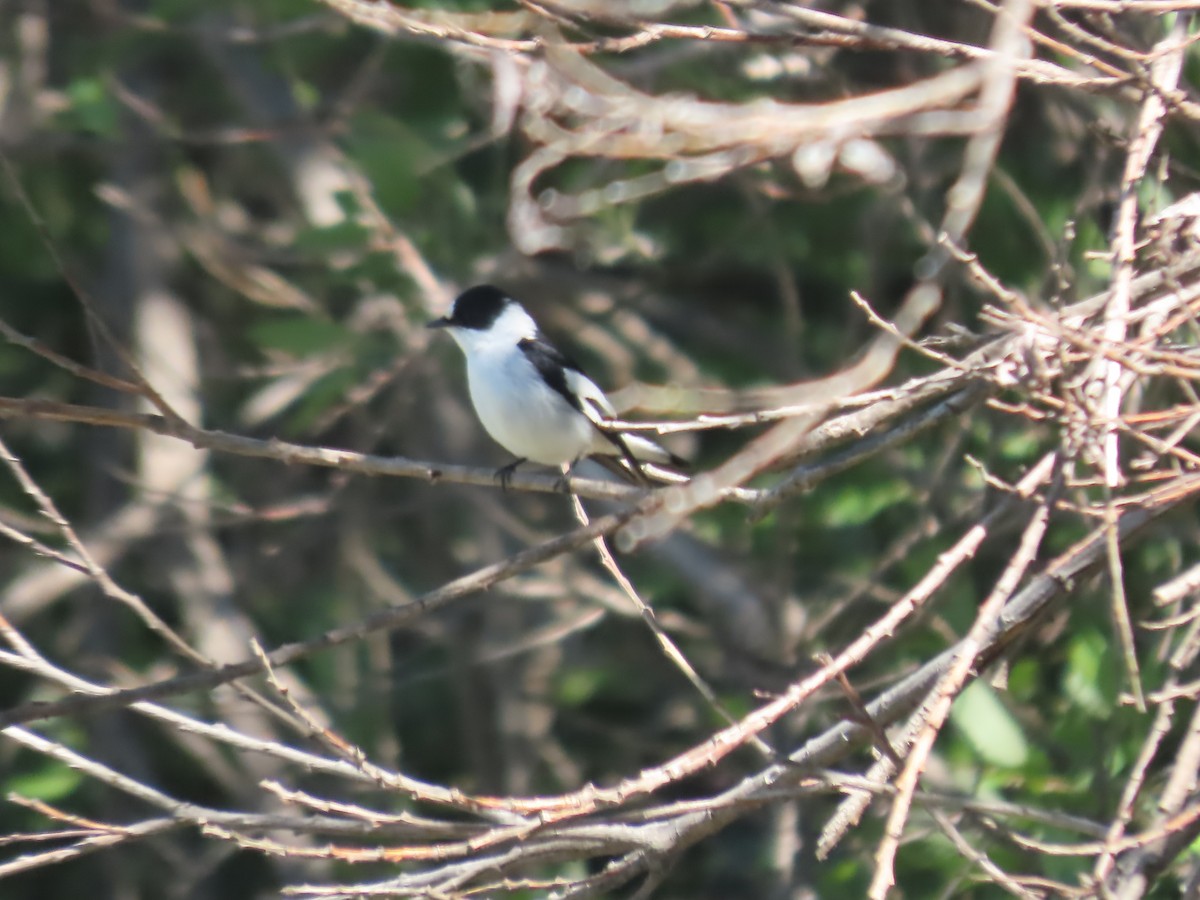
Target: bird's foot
[505, 473]
[563, 484]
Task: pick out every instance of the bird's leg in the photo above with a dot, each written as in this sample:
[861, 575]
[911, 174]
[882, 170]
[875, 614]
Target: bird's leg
[505, 473]
[564, 479]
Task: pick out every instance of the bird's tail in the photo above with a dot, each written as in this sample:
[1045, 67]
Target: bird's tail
[638, 459]
[645, 450]
[645, 473]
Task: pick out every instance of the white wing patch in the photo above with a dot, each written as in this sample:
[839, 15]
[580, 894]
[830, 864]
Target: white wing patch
[595, 405]
[597, 408]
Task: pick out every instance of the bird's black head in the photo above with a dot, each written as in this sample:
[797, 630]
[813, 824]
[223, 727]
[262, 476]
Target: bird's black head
[476, 308]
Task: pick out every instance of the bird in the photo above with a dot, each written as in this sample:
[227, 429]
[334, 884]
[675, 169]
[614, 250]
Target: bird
[535, 401]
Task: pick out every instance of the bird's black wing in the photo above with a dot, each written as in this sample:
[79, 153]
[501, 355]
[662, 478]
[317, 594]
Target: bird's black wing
[552, 364]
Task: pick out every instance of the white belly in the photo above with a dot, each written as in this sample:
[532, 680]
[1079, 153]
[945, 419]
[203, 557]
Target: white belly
[523, 415]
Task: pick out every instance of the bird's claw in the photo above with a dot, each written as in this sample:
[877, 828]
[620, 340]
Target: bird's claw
[563, 484]
[505, 473]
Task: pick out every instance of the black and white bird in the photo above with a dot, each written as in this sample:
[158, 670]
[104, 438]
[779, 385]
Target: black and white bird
[534, 400]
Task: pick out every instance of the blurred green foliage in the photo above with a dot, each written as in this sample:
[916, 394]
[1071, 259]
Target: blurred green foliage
[158, 133]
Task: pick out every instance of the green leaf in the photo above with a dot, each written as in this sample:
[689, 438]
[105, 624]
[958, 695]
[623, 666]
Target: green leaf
[323, 395]
[1024, 680]
[578, 686]
[989, 728]
[344, 235]
[92, 108]
[1083, 681]
[393, 156]
[52, 782]
[1018, 446]
[298, 336]
[858, 504]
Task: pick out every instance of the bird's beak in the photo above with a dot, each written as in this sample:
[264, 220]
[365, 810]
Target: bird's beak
[443, 322]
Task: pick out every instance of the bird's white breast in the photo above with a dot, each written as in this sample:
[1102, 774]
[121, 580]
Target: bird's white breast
[521, 412]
